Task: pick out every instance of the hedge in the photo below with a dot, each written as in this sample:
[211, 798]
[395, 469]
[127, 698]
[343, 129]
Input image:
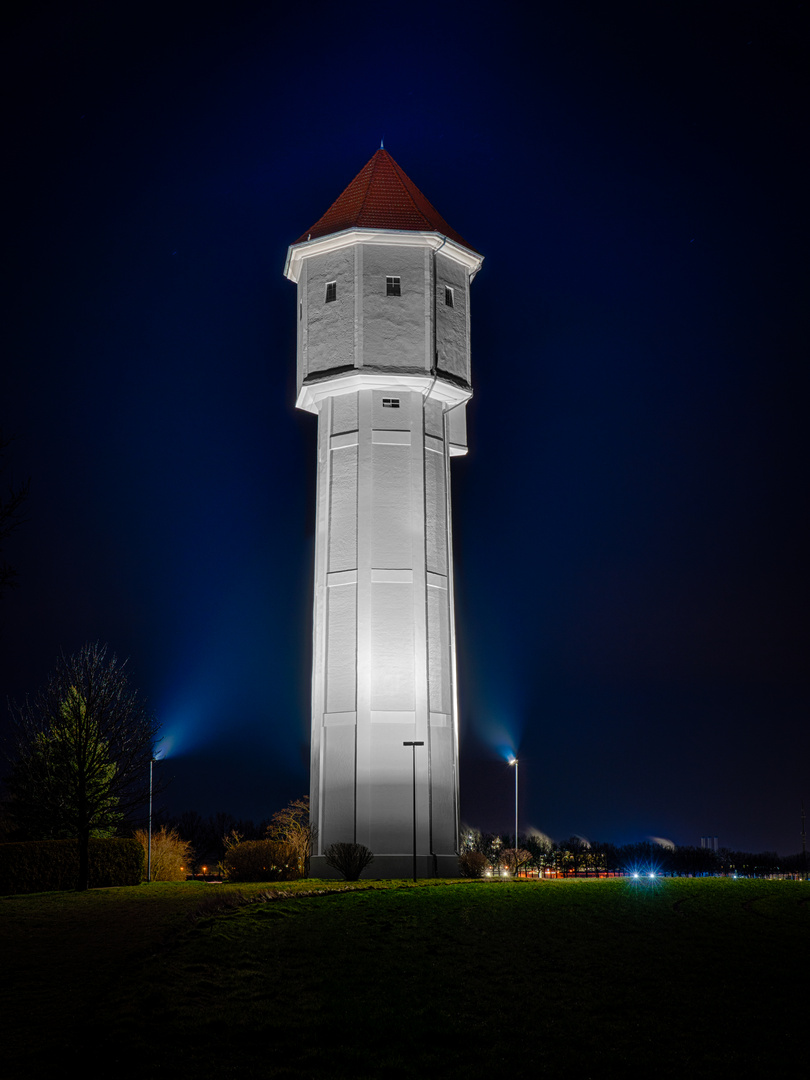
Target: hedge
[51, 865]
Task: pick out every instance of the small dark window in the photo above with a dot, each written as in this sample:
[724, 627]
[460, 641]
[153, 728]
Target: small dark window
[448, 296]
[390, 402]
[392, 287]
[331, 291]
[301, 310]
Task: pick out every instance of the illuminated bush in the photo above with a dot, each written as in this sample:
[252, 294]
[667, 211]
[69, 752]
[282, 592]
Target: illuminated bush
[350, 860]
[260, 860]
[472, 864]
[171, 856]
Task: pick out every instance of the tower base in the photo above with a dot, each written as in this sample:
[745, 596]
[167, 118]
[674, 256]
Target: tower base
[393, 866]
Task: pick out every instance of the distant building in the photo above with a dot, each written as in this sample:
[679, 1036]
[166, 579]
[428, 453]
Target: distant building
[384, 360]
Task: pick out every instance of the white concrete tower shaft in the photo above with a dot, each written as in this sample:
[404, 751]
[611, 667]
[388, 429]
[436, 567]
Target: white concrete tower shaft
[384, 361]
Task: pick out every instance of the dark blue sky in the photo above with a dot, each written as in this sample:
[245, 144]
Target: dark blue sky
[631, 522]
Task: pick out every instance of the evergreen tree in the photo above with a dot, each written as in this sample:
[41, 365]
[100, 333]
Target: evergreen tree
[83, 747]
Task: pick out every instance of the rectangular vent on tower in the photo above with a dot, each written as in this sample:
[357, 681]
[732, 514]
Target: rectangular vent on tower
[392, 286]
[331, 291]
[390, 402]
[448, 296]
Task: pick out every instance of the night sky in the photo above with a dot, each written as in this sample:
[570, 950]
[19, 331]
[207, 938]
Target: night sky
[631, 525]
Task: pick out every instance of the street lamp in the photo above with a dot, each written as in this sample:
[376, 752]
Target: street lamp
[414, 746]
[152, 761]
[514, 761]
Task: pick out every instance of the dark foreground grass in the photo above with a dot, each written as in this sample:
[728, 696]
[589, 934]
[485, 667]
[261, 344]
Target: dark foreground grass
[676, 977]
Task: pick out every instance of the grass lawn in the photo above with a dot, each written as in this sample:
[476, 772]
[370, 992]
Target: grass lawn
[675, 977]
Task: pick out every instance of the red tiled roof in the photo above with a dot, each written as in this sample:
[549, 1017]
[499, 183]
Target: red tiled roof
[381, 196]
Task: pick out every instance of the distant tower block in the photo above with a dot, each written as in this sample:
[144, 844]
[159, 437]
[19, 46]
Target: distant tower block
[384, 360]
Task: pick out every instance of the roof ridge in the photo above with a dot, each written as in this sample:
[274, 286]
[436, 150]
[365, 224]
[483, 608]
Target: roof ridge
[406, 182]
[373, 162]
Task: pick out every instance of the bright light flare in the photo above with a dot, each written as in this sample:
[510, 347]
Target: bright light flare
[503, 733]
[647, 871]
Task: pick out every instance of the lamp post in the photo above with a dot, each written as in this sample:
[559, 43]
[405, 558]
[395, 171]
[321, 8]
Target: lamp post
[152, 761]
[514, 761]
[414, 746]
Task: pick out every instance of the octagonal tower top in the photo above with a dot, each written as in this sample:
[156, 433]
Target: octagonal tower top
[383, 296]
[381, 198]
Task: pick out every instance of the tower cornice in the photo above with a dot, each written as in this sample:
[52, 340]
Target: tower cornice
[315, 391]
[296, 253]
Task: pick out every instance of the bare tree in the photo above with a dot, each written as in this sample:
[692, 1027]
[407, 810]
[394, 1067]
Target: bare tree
[574, 853]
[515, 859]
[492, 847]
[82, 751]
[292, 826]
[541, 851]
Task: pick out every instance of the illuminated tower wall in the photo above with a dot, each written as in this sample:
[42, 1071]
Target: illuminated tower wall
[384, 361]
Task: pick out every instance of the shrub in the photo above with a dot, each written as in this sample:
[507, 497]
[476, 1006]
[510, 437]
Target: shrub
[350, 860]
[472, 864]
[171, 856]
[260, 860]
[51, 865]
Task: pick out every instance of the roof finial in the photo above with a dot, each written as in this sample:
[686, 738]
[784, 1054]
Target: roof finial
[381, 144]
